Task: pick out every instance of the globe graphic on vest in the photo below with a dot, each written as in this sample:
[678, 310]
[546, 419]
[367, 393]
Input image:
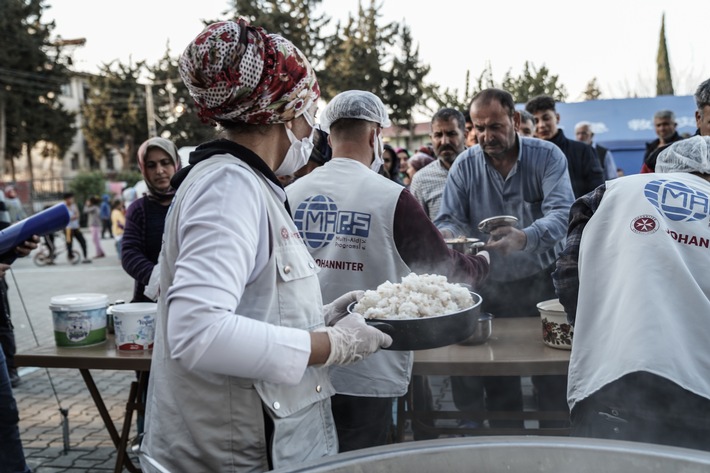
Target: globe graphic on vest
[311, 217]
[677, 201]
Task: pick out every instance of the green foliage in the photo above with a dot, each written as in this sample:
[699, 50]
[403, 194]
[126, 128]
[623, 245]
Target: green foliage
[533, 82]
[453, 98]
[129, 177]
[293, 19]
[115, 117]
[530, 83]
[356, 53]
[404, 85]
[664, 81]
[592, 92]
[175, 111]
[86, 184]
[32, 71]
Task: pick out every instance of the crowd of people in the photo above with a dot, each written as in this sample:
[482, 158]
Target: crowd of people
[242, 250]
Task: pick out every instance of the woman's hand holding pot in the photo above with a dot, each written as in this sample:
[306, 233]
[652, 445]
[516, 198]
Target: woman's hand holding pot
[351, 340]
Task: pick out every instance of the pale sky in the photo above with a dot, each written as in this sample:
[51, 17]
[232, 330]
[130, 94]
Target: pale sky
[615, 41]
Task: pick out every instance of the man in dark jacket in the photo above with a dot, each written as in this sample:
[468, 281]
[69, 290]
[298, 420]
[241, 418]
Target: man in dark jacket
[105, 216]
[585, 172]
[7, 334]
[665, 125]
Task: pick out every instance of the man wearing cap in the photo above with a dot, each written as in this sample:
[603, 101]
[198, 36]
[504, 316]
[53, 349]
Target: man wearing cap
[634, 282]
[239, 379]
[364, 229]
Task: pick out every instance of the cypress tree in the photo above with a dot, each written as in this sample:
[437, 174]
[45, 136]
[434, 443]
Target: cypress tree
[664, 82]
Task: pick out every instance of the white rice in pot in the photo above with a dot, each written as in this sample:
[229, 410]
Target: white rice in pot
[418, 295]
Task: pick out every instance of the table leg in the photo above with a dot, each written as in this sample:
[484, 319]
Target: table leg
[403, 403]
[133, 403]
[99, 402]
[120, 442]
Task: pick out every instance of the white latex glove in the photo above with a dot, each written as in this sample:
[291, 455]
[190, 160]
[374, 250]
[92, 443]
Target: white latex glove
[338, 309]
[351, 340]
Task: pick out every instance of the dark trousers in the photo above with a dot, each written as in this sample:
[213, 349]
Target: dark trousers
[7, 334]
[643, 407]
[73, 233]
[106, 227]
[422, 400]
[504, 393]
[361, 422]
[490, 393]
[49, 241]
[12, 458]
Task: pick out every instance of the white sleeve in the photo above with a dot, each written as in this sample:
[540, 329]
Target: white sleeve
[152, 289]
[223, 245]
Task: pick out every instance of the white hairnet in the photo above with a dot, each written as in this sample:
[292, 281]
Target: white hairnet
[688, 155]
[355, 104]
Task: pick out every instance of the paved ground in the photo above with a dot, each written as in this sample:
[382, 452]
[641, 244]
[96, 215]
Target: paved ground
[89, 446]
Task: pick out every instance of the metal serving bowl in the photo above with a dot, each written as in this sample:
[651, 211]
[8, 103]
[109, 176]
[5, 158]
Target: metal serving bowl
[465, 245]
[424, 333]
[483, 330]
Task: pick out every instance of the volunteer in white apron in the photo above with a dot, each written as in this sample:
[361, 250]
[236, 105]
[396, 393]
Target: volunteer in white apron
[239, 378]
[640, 245]
[364, 229]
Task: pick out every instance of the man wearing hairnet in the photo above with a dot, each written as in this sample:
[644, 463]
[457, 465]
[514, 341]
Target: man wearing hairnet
[634, 280]
[363, 229]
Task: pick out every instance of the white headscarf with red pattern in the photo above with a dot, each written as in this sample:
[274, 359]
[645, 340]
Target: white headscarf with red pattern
[238, 72]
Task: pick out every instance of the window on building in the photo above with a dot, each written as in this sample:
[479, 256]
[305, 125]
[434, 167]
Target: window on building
[67, 90]
[75, 161]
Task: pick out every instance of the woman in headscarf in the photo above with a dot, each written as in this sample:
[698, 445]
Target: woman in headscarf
[238, 379]
[158, 161]
[391, 164]
[416, 162]
[403, 157]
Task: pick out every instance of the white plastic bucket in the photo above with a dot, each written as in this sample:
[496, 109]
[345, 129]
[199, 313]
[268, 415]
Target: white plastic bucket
[79, 319]
[134, 325]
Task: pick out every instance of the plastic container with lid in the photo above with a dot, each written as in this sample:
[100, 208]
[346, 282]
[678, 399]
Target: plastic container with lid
[79, 319]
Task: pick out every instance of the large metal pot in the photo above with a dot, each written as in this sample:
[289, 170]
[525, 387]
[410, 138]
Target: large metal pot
[513, 454]
[429, 332]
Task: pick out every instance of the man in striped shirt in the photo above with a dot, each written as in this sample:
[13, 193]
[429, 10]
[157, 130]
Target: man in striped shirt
[448, 135]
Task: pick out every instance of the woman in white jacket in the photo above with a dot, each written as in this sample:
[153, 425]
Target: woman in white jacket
[237, 379]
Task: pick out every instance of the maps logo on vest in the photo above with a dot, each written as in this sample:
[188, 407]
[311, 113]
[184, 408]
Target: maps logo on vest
[319, 221]
[677, 201]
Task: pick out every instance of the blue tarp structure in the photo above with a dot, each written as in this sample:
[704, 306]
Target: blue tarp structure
[625, 125]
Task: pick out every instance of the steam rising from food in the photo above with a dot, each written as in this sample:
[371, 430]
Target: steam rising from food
[418, 295]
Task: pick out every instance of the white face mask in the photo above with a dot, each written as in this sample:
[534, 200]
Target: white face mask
[298, 153]
[379, 151]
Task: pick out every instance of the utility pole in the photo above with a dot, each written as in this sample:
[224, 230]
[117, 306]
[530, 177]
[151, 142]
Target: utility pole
[150, 111]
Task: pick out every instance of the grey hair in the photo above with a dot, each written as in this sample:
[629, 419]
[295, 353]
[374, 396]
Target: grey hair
[664, 114]
[584, 123]
[702, 95]
[526, 116]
